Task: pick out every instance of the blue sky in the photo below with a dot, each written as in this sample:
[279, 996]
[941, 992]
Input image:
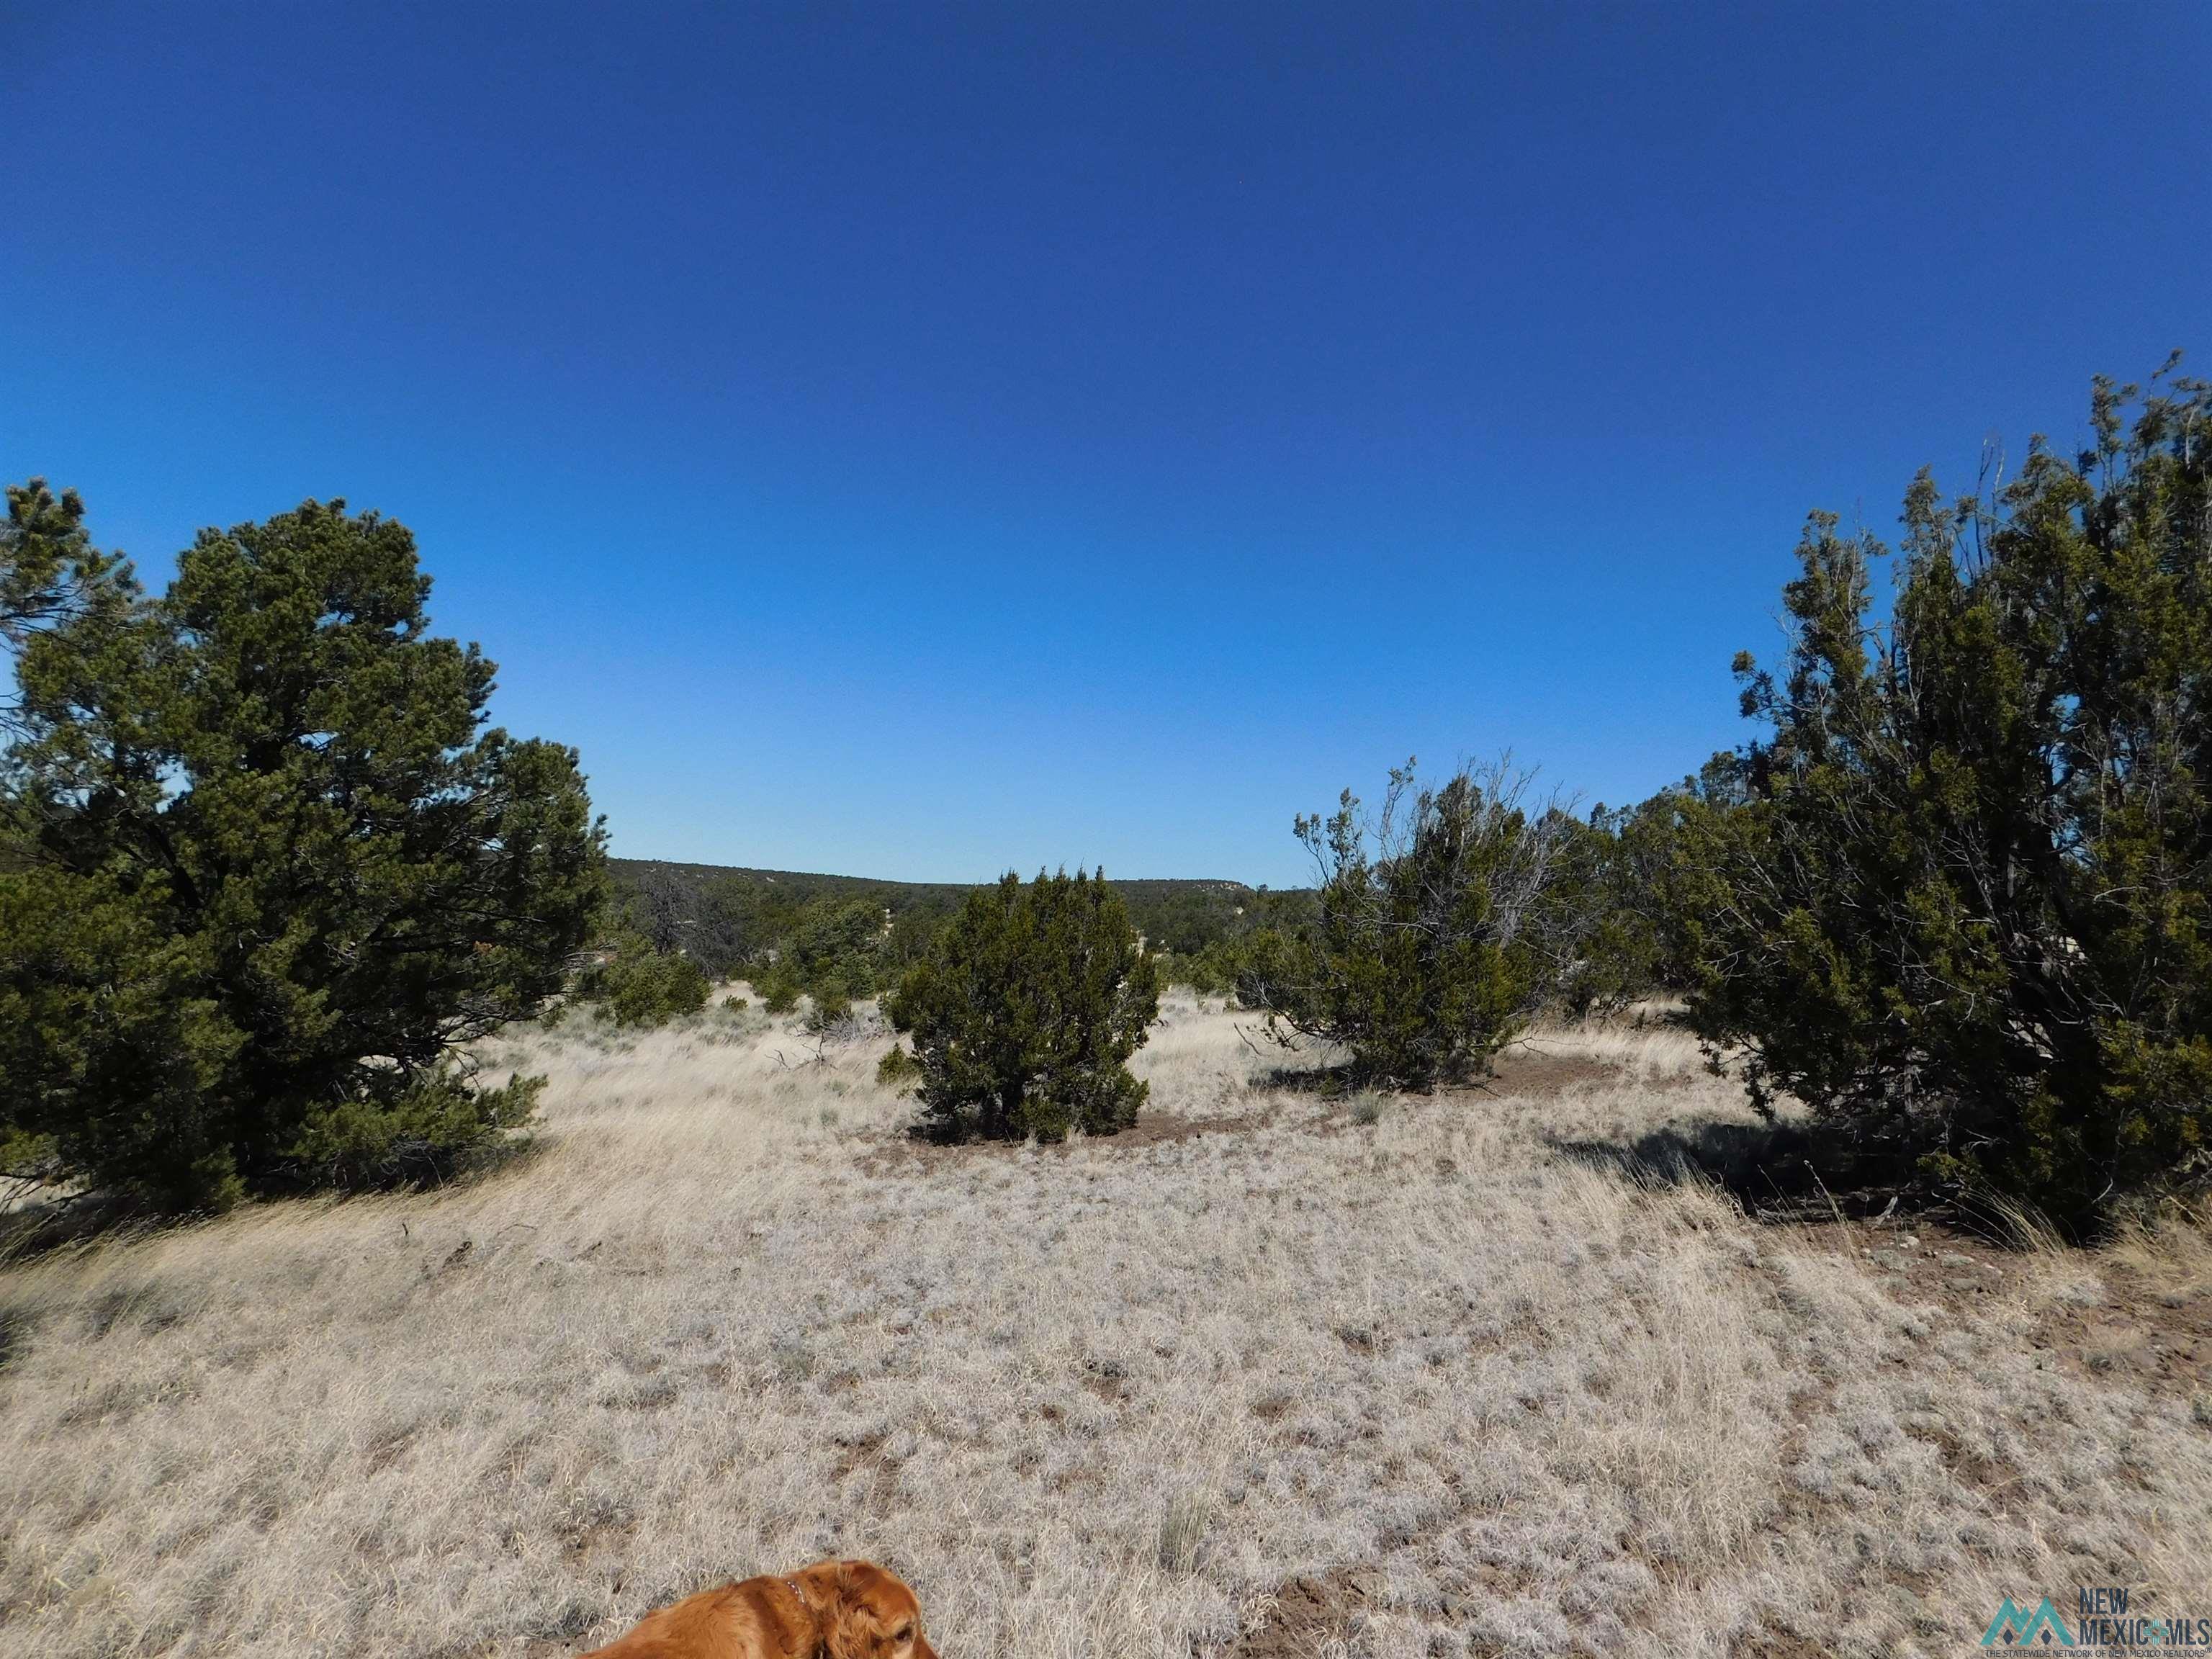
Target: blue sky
[919, 442]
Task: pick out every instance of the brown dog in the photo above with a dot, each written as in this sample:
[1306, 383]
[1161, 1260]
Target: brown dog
[831, 1610]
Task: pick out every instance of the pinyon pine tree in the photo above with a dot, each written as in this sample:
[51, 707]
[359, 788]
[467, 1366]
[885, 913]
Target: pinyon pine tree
[50, 572]
[264, 873]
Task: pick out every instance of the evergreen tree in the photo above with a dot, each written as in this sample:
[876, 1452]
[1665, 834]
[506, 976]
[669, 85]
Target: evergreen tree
[1634, 874]
[638, 986]
[1966, 913]
[1444, 923]
[1025, 1009]
[264, 875]
[50, 572]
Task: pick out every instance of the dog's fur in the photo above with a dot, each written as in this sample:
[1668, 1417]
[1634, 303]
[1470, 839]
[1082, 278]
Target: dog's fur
[831, 1610]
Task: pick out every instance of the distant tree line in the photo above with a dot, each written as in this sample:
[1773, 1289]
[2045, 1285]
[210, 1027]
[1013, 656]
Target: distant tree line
[834, 938]
[268, 875]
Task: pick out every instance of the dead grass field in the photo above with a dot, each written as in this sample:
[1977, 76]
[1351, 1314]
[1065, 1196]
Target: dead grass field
[1262, 1379]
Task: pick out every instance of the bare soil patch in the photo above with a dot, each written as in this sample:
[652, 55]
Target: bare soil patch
[1306, 1614]
[1536, 1073]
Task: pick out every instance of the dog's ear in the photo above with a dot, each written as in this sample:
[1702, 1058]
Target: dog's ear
[823, 1585]
[827, 1588]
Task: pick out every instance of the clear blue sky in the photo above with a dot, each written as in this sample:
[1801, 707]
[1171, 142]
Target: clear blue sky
[913, 441]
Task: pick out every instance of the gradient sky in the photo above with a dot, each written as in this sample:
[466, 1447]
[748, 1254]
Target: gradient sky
[915, 442]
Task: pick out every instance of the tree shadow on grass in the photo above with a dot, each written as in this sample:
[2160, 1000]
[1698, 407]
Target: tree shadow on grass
[14, 1336]
[63, 1220]
[78, 1219]
[1330, 1081]
[1779, 1171]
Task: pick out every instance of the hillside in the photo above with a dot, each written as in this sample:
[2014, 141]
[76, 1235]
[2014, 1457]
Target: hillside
[1174, 913]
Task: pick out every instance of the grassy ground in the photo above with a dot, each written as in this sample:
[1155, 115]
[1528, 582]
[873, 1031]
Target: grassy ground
[1275, 1374]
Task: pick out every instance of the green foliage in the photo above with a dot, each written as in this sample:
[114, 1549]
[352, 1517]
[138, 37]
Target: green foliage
[829, 1005]
[415, 1134]
[263, 872]
[1185, 919]
[835, 946]
[1634, 875]
[1616, 963]
[655, 909]
[732, 925]
[1444, 924]
[898, 1070]
[27, 1157]
[813, 931]
[834, 941]
[638, 986]
[1967, 912]
[1025, 1010]
[1210, 972]
[50, 575]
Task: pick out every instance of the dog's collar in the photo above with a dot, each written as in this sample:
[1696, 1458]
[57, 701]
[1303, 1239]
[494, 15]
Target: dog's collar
[792, 1584]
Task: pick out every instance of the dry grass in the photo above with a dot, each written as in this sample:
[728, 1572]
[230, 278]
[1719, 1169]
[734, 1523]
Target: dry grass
[1298, 1383]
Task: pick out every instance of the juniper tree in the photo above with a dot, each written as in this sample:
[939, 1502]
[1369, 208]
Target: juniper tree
[1444, 924]
[635, 985]
[1966, 913]
[1633, 873]
[1026, 1007]
[264, 873]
